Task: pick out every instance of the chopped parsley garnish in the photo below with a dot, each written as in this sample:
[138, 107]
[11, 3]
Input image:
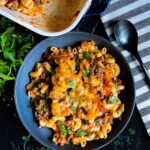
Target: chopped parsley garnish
[92, 132]
[73, 108]
[111, 122]
[43, 148]
[83, 100]
[117, 142]
[62, 128]
[36, 101]
[116, 85]
[113, 99]
[44, 107]
[96, 48]
[81, 133]
[69, 129]
[47, 96]
[70, 101]
[131, 131]
[26, 138]
[71, 83]
[86, 55]
[38, 86]
[78, 64]
[97, 122]
[86, 72]
[72, 90]
[76, 99]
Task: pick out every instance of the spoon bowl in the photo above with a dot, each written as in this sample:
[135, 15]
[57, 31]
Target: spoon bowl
[127, 36]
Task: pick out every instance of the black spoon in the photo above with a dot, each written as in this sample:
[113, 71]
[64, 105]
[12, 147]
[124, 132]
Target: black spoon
[126, 35]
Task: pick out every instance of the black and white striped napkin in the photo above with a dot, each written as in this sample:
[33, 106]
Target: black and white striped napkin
[138, 12]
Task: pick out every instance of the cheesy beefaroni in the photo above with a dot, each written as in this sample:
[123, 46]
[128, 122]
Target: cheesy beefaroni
[29, 7]
[75, 92]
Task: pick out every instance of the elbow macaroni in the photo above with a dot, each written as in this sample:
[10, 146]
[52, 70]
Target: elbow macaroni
[77, 92]
[28, 7]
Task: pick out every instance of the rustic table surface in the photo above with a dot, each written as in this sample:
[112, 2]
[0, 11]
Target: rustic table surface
[13, 135]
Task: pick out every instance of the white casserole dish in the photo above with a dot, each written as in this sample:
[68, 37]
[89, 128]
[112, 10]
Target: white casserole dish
[60, 18]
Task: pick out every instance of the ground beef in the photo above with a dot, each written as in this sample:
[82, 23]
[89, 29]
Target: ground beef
[14, 4]
[96, 70]
[38, 2]
[103, 120]
[43, 76]
[49, 57]
[42, 111]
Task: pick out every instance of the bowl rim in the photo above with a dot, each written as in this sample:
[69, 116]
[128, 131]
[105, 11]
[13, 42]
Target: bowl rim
[86, 34]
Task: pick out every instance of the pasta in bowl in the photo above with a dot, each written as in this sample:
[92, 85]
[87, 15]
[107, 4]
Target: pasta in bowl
[75, 92]
[42, 89]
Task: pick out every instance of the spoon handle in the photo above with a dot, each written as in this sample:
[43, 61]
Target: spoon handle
[147, 75]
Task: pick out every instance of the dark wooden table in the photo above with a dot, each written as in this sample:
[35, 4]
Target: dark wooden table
[13, 135]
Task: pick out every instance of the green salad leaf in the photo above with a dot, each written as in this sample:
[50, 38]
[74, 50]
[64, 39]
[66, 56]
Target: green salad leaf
[4, 67]
[15, 42]
[6, 77]
[1, 86]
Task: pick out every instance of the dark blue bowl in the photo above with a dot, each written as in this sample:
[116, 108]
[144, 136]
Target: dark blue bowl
[22, 101]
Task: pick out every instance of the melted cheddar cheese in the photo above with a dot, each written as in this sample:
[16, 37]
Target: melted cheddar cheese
[82, 87]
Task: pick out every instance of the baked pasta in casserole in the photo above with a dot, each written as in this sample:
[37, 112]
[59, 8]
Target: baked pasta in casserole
[29, 7]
